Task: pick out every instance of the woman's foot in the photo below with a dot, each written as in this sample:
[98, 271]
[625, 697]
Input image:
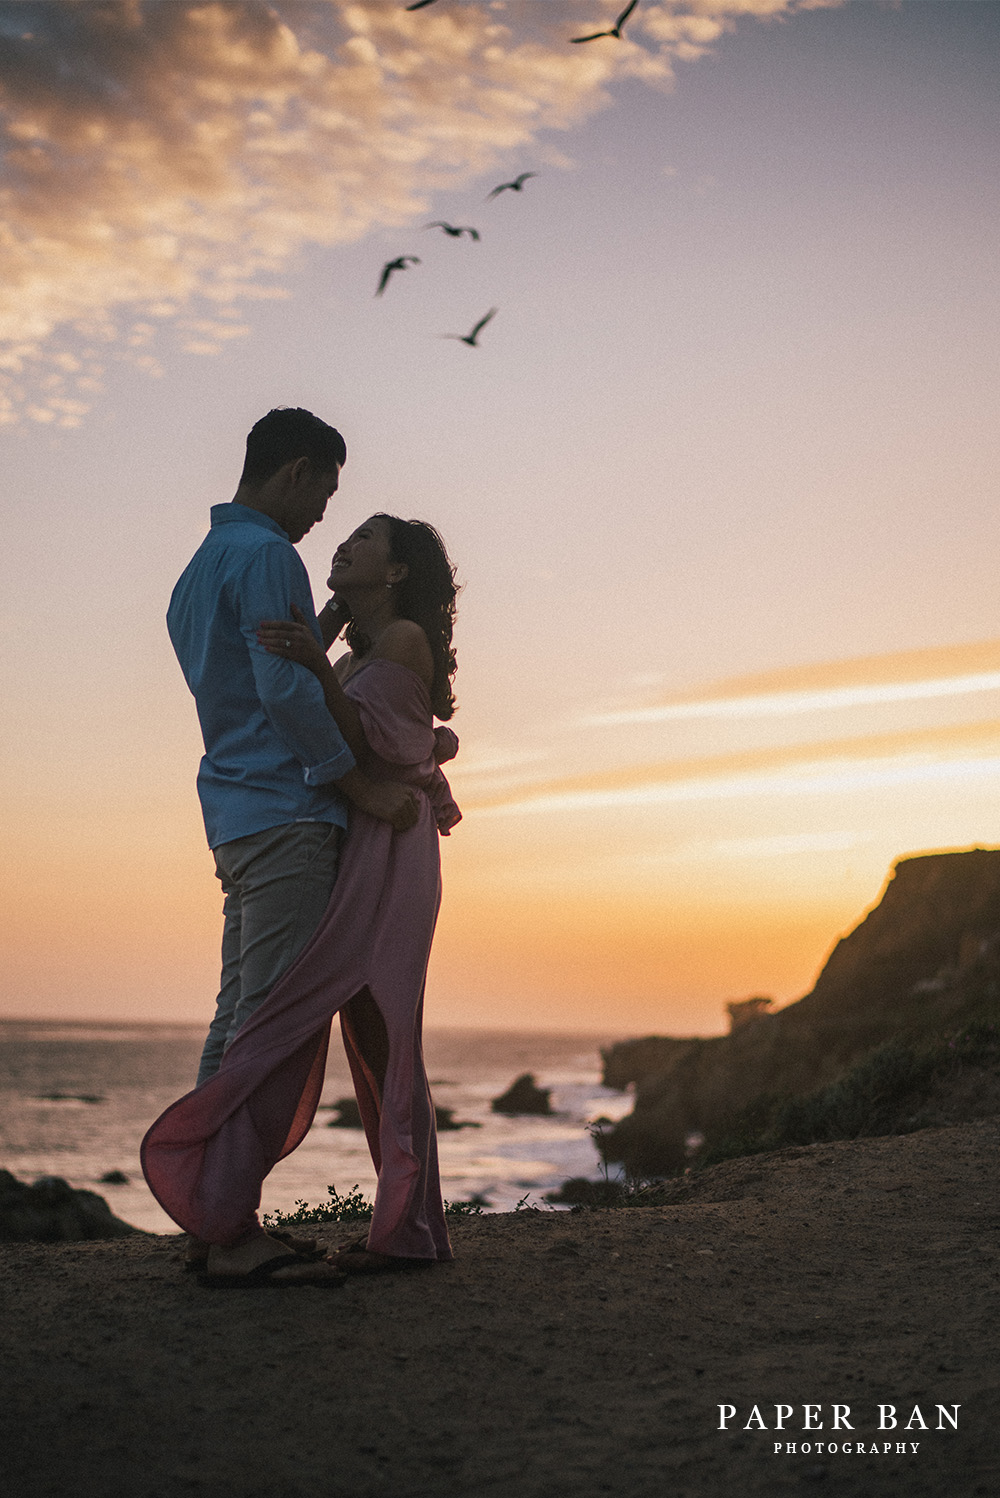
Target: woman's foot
[281, 1271]
[196, 1252]
[264, 1260]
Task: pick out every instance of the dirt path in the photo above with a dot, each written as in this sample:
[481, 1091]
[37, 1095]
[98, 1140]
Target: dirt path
[561, 1356]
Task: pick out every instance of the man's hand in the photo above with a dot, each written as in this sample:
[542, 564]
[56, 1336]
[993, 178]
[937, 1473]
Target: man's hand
[391, 802]
[385, 799]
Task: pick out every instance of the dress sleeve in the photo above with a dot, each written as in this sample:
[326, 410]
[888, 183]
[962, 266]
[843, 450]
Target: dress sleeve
[445, 744]
[395, 713]
[446, 812]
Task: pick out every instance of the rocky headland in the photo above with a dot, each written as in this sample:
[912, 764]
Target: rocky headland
[920, 974]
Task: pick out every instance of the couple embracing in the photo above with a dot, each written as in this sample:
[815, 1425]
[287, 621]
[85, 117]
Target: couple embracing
[323, 799]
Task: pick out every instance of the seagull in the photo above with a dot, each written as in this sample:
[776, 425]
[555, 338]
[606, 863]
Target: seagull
[451, 229]
[402, 263]
[518, 184]
[616, 29]
[470, 338]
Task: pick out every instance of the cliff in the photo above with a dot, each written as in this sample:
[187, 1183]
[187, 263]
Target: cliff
[923, 962]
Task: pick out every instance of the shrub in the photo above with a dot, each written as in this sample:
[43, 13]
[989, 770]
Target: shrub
[881, 1094]
[352, 1207]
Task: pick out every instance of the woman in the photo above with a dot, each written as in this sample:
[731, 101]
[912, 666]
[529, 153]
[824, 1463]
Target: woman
[205, 1158]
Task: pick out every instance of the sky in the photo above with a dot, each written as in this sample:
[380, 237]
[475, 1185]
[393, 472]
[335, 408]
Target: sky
[720, 479]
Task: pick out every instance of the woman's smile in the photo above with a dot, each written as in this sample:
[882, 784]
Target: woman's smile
[366, 551]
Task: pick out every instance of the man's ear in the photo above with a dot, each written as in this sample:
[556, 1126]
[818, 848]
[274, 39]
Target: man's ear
[402, 573]
[299, 470]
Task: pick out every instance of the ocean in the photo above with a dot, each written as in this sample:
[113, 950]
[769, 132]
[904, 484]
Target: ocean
[76, 1099]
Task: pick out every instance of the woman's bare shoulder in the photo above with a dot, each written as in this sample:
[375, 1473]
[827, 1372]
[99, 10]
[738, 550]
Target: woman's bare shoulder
[404, 642]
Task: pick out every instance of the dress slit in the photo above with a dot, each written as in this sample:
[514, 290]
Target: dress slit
[367, 1075]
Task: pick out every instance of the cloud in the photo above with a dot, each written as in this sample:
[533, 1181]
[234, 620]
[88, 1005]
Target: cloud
[904, 676]
[813, 780]
[160, 156]
[869, 762]
[779, 845]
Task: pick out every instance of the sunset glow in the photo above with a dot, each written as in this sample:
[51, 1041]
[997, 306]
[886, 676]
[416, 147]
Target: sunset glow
[720, 480]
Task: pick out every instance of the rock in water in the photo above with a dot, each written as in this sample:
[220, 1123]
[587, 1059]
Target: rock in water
[349, 1117]
[51, 1211]
[522, 1096]
[68, 1097]
[446, 1120]
[348, 1114]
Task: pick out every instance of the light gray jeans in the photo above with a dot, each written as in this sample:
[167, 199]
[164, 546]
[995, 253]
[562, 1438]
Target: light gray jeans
[277, 885]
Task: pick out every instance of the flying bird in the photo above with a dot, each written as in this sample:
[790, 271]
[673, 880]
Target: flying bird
[402, 263]
[456, 231]
[518, 184]
[419, 4]
[470, 338]
[616, 29]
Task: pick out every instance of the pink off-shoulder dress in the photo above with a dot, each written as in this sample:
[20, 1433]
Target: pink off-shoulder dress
[206, 1157]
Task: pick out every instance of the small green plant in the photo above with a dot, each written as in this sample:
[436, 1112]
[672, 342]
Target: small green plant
[463, 1209]
[352, 1207]
[598, 1129]
[525, 1205]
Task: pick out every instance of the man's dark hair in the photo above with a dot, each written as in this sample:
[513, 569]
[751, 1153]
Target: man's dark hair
[287, 433]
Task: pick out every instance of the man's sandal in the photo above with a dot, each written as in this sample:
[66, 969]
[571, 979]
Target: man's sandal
[305, 1248]
[262, 1277]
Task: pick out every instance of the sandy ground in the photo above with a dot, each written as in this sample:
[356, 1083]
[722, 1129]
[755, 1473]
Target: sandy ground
[560, 1356]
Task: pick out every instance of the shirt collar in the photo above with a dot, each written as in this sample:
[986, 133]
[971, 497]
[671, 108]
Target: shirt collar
[222, 514]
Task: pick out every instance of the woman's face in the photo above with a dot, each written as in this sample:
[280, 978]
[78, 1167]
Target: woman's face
[362, 561]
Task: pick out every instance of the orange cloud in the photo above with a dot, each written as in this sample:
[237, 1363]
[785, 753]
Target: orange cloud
[902, 676]
[836, 764]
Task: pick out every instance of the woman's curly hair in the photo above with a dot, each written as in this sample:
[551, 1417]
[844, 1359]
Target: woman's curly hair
[426, 595]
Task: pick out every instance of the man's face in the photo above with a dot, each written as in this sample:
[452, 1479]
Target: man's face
[307, 497]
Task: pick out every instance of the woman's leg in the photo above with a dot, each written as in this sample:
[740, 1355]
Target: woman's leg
[369, 1034]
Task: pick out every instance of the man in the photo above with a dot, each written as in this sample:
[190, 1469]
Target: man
[276, 768]
[275, 763]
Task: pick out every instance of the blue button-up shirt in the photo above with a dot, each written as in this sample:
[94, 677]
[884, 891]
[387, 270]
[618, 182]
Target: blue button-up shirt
[271, 746]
